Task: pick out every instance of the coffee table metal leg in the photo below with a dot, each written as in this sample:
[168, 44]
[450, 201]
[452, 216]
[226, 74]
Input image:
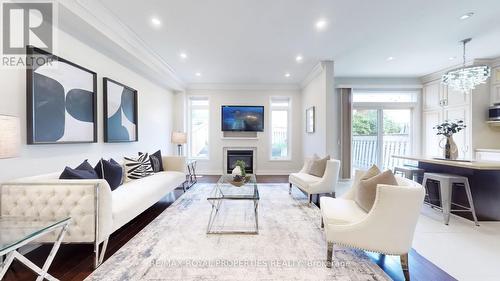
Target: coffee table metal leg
[8, 260]
[52, 254]
[256, 212]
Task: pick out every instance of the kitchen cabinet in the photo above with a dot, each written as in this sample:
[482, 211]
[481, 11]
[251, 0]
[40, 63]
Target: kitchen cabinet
[431, 140]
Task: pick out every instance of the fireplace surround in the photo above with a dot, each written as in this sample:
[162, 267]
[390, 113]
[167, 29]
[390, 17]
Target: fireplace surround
[245, 154]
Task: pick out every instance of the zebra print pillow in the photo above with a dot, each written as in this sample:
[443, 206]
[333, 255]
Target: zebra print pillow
[137, 168]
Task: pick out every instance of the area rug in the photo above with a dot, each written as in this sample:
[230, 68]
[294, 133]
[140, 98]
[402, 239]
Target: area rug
[290, 244]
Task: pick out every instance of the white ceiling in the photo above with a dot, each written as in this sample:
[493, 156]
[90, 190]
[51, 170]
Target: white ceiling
[256, 41]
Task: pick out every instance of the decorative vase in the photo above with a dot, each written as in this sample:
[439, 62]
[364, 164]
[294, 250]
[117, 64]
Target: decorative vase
[450, 149]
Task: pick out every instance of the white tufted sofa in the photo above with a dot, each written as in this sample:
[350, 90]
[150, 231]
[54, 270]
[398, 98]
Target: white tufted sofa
[96, 211]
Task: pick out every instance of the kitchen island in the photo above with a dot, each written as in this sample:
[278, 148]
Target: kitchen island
[484, 179]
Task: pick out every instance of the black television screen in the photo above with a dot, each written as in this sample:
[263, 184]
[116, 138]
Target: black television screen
[242, 118]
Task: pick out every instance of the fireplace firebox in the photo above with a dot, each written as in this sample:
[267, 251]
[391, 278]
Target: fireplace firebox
[243, 155]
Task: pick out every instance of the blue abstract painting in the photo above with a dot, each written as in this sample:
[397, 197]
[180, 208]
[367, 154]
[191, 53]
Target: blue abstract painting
[120, 104]
[62, 101]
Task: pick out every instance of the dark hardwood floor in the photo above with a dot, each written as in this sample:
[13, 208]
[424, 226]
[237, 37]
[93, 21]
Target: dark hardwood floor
[75, 262]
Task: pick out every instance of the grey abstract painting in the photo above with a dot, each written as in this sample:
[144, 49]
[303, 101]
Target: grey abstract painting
[120, 112]
[61, 101]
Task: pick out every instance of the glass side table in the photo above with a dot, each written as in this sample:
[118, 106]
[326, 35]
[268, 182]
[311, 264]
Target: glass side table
[227, 189]
[16, 232]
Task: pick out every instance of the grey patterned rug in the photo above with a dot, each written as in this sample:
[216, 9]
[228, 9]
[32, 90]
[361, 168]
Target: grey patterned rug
[290, 244]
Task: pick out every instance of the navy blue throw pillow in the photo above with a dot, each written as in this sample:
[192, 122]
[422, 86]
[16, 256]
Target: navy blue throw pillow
[111, 171]
[83, 172]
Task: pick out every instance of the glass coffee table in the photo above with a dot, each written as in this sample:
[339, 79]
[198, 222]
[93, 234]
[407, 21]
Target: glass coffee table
[226, 189]
[16, 232]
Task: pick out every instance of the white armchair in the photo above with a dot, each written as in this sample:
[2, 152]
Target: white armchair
[315, 185]
[387, 229]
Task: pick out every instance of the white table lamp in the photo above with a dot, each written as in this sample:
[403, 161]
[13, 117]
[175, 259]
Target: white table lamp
[179, 138]
[10, 138]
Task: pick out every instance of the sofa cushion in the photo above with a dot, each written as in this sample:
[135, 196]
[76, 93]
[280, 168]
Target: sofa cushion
[137, 167]
[134, 197]
[340, 211]
[318, 167]
[111, 171]
[75, 174]
[367, 189]
[303, 179]
[83, 171]
[156, 161]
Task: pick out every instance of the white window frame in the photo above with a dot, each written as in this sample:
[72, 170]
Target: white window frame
[190, 107]
[289, 127]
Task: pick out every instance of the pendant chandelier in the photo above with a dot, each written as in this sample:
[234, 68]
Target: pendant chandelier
[466, 78]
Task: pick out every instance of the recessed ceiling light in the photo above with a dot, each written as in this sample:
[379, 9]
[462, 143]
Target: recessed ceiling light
[321, 24]
[198, 74]
[287, 75]
[452, 58]
[183, 55]
[299, 58]
[466, 16]
[391, 58]
[155, 21]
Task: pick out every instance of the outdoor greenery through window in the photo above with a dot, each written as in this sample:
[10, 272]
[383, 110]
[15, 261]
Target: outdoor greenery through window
[280, 114]
[381, 128]
[199, 127]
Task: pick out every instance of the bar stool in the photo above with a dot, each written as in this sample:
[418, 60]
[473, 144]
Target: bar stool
[409, 172]
[446, 184]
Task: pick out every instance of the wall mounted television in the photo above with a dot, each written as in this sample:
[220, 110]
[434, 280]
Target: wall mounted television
[242, 118]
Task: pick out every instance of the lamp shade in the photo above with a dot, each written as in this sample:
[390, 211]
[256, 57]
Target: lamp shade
[179, 137]
[10, 139]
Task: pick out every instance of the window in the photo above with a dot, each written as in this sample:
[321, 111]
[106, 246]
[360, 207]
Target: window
[198, 127]
[382, 124]
[280, 129]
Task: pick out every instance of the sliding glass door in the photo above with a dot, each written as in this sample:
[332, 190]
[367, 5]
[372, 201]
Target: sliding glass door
[378, 133]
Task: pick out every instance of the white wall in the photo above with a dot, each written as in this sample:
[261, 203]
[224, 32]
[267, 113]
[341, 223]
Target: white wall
[250, 95]
[318, 91]
[155, 115]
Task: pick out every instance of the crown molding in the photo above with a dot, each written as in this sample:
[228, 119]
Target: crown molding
[99, 17]
[315, 72]
[242, 87]
[438, 74]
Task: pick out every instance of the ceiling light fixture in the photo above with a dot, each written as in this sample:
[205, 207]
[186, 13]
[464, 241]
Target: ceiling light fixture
[466, 78]
[183, 55]
[155, 21]
[198, 74]
[466, 16]
[391, 58]
[321, 24]
[452, 58]
[287, 75]
[299, 58]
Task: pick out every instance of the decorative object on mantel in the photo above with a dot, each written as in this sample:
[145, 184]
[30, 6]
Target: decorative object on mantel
[448, 129]
[179, 138]
[466, 78]
[10, 139]
[310, 118]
